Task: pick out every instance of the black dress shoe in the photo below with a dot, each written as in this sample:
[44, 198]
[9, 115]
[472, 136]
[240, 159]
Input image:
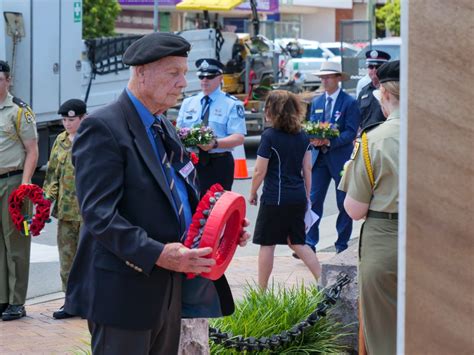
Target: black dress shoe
[62, 314]
[3, 307]
[14, 312]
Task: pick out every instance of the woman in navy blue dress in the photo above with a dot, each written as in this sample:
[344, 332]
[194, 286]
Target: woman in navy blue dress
[284, 165]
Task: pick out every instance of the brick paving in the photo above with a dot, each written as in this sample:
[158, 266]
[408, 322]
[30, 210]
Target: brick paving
[40, 333]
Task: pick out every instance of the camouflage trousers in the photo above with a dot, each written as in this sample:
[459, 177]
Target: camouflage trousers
[68, 238]
[14, 248]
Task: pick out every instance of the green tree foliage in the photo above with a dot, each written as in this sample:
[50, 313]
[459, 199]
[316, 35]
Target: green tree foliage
[99, 17]
[388, 17]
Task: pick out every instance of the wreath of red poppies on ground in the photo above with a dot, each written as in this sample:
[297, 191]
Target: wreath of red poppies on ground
[42, 208]
[217, 223]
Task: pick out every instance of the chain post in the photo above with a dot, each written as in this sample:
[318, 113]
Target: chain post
[273, 342]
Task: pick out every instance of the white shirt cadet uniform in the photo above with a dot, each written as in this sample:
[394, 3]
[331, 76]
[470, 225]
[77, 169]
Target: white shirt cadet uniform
[226, 115]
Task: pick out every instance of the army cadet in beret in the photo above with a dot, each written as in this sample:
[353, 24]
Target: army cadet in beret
[225, 115]
[60, 187]
[371, 183]
[370, 111]
[18, 158]
[136, 189]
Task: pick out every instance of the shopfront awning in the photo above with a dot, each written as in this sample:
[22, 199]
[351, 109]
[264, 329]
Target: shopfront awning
[209, 5]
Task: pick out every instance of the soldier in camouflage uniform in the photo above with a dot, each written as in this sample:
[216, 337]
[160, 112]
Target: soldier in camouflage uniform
[60, 187]
[18, 158]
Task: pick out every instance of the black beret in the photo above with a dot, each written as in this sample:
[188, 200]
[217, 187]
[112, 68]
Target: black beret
[155, 46]
[209, 66]
[376, 57]
[389, 71]
[72, 108]
[4, 67]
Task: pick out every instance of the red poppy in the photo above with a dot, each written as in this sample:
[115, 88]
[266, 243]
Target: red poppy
[194, 158]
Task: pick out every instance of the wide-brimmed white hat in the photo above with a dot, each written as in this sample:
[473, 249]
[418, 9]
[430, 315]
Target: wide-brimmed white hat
[330, 68]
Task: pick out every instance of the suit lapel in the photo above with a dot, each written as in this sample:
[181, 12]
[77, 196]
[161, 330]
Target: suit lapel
[143, 144]
[337, 107]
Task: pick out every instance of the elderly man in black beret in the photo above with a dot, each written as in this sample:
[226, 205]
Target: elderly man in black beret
[136, 191]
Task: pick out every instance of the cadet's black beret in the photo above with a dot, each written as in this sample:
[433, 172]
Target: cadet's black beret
[376, 57]
[155, 46]
[4, 67]
[209, 66]
[389, 71]
[72, 108]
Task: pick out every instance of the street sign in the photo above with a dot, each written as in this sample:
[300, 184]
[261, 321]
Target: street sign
[77, 11]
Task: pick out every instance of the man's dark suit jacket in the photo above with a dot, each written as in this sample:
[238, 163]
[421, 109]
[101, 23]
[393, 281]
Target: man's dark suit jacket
[128, 216]
[346, 115]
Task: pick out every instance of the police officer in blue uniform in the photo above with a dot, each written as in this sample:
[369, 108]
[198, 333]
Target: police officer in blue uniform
[370, 111]
[225, 115]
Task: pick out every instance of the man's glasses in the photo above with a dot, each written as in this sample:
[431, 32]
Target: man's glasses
[373, 66]
[208, 77]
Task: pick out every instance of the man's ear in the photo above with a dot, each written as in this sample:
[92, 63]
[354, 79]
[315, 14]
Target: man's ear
[140, 70]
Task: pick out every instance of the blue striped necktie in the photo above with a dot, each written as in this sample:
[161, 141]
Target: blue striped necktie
[327, 110]
[173, 158]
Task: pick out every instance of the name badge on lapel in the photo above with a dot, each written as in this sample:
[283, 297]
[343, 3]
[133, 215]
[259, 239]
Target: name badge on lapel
[319, 110]
[187, 169]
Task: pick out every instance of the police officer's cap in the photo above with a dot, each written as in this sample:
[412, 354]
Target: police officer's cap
[389, 71]
[4, 67]
[376, 57]
[209, 67]
[155, 46]
[72, 108]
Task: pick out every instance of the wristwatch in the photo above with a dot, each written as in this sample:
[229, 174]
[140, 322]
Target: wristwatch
[216, 144]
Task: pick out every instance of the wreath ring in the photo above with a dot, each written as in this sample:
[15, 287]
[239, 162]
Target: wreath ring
[42, 206]
[217, 223]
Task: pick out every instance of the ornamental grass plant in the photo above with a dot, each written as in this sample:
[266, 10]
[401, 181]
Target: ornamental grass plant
[266, 313]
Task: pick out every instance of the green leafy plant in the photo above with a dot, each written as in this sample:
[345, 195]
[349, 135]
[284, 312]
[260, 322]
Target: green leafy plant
[388, 17]
[83, 351]
[99, 18]
[265, 313]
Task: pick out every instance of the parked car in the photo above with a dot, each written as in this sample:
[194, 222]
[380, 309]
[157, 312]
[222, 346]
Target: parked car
[302, 58]
[347, 49]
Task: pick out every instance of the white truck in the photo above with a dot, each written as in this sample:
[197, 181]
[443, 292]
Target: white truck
[42, 42]
[51, 63]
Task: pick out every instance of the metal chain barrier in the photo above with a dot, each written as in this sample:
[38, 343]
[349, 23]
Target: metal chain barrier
[273, 342]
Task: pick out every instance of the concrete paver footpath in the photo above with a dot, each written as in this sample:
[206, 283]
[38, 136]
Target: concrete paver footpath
[40, 333]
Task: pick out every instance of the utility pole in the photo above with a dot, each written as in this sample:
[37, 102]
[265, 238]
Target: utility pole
[155, 16]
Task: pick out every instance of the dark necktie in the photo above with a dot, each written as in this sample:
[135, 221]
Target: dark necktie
[205, 110]
[327, 118]
[204, 155]
[327, 110]
[173, 159]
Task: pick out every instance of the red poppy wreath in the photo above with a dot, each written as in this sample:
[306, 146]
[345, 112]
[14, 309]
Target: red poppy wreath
[217, 223]
[42, 207]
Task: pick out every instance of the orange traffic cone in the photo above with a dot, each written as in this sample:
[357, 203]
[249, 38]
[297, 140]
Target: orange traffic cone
[240, 163]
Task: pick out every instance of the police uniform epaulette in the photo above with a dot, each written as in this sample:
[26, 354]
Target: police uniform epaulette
[20, 102]
[371, 127]
[231, 96]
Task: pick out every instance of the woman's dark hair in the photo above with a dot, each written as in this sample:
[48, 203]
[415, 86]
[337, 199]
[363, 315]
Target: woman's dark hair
[284, 110]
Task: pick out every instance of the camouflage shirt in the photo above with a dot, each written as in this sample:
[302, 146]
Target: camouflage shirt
[60, 182]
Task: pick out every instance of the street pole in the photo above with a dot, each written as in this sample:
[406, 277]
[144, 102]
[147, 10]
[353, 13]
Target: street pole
[155, 16]
[371, 17]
